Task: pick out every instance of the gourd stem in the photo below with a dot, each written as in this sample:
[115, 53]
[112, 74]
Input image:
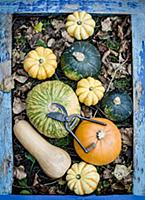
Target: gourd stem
[117, 101]
[41, 60]
[79, 56]
[100, 134]
[78, 176]
[79, 22]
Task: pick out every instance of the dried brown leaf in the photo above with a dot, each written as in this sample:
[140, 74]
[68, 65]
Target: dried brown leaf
[57, 24]
[19, 172]
[106, 24]
[86, 112]
[107, 173]
[66, 36]
[25, 87]
[18, 105]
[121, 171]
[50, 42]
[36, 180]
[127, 134]
[19, 78]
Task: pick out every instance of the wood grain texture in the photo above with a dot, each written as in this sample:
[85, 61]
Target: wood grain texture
[6, 153]
[59, 6]
[138, 30]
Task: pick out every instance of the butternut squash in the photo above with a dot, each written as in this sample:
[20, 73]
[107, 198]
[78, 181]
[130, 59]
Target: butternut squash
[53, 160]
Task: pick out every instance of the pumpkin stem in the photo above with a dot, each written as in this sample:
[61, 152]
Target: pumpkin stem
[79, 22]
[117, 101]
[79, 56]
[100, 135]
[78, 176]
[41, 60]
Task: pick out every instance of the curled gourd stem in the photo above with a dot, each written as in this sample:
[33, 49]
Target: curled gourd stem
[100, 135]
[117, 101]
[79, 56]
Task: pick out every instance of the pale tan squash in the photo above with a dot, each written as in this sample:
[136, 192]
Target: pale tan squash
[53, 160]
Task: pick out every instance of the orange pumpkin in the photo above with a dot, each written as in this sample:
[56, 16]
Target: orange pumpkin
[107, 139]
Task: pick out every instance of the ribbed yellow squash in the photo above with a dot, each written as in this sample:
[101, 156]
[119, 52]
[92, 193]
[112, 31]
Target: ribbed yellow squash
[80, 25]
[82, 178]
[40, 63]
[90, 91]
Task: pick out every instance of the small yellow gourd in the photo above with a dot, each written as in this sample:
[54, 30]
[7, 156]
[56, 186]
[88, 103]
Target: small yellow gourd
[80, 25]
[90, 91]
[40, 63]
[82, 178]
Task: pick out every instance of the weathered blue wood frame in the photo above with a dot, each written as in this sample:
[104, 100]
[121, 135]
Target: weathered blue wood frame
[136, 8]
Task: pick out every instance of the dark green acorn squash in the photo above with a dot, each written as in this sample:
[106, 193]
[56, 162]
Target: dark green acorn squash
[39, 104]
[117, 106]
[81, 60]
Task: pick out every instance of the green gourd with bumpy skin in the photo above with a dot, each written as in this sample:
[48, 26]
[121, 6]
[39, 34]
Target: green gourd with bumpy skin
[40, 102]
[117, 106]
[81, 60]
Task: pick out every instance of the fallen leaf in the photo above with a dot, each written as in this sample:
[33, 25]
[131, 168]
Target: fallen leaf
[50, 42]
[26, 192]
[120, 32]
[35, 182]
[129, 69]
[118, 186]
[52, 190]
[19, 172]
[57, 24]
[106, 25]
[20, 79]
[86, 112]
[121, 171]
[61, 182]
[7, 84]
[38, 27]
[66, 36]
[107, 173]
[18, 105]
[25, 87]
[126, 135]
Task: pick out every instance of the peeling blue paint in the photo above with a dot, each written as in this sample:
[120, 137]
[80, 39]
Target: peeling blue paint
[132, 4]
[142, 73]
[105, 6]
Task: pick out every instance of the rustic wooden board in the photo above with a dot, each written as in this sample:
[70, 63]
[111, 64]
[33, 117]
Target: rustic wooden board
[6, 153]
[138, 39]
[59, 6]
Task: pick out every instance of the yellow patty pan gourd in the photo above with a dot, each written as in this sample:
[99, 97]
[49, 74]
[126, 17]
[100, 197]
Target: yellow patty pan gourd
[90, 91]
[80, 25]
[82, 178]
[40, 63]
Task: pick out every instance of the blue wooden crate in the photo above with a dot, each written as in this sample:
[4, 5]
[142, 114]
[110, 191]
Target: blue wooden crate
[136, 8]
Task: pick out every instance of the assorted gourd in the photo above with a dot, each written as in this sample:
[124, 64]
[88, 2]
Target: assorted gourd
[89, 91]
[40, 101]
[80, 62]
[47, 155]
[80, 25]
[107, 139]
[117, 106]
[82, 178]
[40, 63]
